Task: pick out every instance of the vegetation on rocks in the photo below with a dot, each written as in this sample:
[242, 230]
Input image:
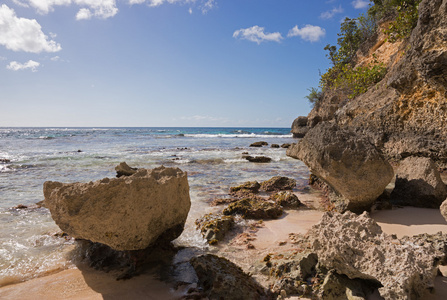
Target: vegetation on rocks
[345, 74]
[254, 209]
[213, 227]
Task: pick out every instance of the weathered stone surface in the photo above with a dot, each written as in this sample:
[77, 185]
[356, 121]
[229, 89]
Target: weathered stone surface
[127, 213]
[355, 246]
[340, 287]
[221, 279]
[274, 146]
[443, 209]
[124, 170]
[286, 199]
[254, 209]
[418, 183]
[259, 144]
[285, 145]
[214, 227]
[299, 127]
[278, 183]
[258, 159]
[347, 162]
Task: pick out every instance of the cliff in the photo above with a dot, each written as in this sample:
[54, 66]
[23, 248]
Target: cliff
[405, 114]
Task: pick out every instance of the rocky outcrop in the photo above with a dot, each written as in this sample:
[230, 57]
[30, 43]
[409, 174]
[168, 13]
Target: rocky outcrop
[286, 199]
[356, 247]
[299, 127]
[127, 213]
[278, 183]
[418, 183]
[252, 208]
[349, 163]
[214, 227]
[406, 113]
[221, 279]
[259, 144]
[124, 170]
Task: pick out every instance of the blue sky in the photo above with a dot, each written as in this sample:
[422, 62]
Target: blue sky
[163, 62]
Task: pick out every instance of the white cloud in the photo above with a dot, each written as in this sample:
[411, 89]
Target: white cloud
[359, 4]
[208, 5]
[31, 64]
[3, 58]
[331, 13]
[20, 34]
[256, 34]
[99, 8]
[190, 11]
[308, 33]
[203, 5]
[55, 58]
[199, 118]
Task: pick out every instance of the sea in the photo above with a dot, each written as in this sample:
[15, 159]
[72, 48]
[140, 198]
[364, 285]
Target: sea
[212, 158]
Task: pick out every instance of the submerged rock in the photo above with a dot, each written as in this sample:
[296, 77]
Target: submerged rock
[278, 183]
[355, 246]
[254, 209]
[418, 183]
[221, 279]
[349, 163]
[286, 145]
[259, 144]
[214, 227]
[127, 213]
[274, 146]
[258, 159]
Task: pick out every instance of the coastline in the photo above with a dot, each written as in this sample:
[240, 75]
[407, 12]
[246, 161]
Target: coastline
[83, 282]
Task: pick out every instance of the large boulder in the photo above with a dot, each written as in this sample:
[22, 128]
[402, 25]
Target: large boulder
[355, 246]
[299, 127]
[127, 213]
[418, 183]
[348, 162]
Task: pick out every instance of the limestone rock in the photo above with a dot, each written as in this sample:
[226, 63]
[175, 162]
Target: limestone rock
[221, 279]
[286, 199]
[443, 209]
[259, 144]
[418, 183]
[124, 170]
[127, 213]
[355, 246]
[254, 209]
[213, 227]
[278, 183]
[349, 163]
[299, 127]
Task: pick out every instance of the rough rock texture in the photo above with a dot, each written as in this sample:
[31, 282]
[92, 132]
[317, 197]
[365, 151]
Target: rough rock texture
[221, 279]
[127, 213]
[258, 159]
[299, 127]
[418, 183]
[347, 162]
[254, 209]
[278, 183]
[406, 113]
[259, 144]
[443, 209]
[356, 247]
[214, 227]
[286, 199]
[124, 170]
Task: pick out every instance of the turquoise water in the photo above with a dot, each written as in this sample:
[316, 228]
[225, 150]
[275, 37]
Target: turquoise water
[211, 156]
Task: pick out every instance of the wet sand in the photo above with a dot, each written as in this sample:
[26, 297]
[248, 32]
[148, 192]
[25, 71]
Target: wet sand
[85, 283]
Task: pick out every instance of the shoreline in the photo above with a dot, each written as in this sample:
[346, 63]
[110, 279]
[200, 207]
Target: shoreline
[83, 282]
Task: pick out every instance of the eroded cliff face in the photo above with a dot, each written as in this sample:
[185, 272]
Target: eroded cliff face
[406, 113]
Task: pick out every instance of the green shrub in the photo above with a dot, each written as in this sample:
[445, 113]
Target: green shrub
[315, 96]
[405, 21]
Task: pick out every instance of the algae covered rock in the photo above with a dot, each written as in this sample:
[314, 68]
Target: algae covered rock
[254, 209]
[127, 213]
[221, 279]
[259, 144]
[348, 162]
[418, 183]
[258, 159]
[214, 227]
[286, 199]
[278, 183]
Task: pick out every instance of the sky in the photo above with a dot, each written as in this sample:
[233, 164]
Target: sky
[159, 63]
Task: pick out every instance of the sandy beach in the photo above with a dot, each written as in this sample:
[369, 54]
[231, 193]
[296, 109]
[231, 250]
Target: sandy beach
[85, 283]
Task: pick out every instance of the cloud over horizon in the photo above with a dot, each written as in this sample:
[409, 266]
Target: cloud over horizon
[308, 33]
[256, 34]
[16, 66]
[20, 34]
